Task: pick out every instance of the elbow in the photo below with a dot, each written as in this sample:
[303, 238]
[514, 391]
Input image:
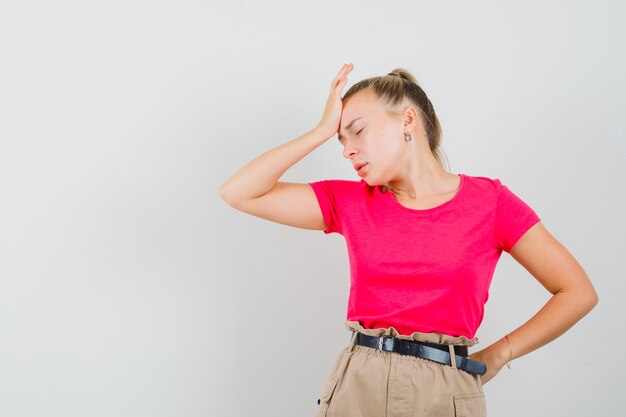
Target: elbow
[593, 299]
[584, 298]
[589, 299]
[591, 296]
[224, 194]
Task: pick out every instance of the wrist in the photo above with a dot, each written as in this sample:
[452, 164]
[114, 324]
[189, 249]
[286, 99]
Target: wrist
[503, 351]
[324, 131]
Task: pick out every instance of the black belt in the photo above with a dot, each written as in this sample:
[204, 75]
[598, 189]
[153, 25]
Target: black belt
[431, 351]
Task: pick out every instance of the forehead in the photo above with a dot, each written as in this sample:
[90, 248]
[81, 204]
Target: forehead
[363, 104]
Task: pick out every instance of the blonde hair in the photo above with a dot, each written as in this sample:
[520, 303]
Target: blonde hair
[392, 89]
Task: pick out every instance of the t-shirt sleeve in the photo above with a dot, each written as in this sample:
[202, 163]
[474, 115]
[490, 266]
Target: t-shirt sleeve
[513, 218]
[327, 197]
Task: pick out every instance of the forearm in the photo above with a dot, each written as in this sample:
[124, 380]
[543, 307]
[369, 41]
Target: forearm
[559, 314]
[262, 173]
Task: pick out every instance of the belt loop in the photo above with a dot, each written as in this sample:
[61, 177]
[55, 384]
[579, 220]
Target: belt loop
[352, 340]
[452, 356]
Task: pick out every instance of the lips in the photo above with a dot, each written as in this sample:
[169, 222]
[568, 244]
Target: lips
[359, 166]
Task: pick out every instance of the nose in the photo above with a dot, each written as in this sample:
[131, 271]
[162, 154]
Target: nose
[349, 151]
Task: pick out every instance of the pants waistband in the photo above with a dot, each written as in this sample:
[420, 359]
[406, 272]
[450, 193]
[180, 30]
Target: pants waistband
[451, 355]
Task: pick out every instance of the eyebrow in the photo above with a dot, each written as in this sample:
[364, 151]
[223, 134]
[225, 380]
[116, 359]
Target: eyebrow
[340, 136]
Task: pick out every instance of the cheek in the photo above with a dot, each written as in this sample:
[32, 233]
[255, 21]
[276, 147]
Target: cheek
[385, 151]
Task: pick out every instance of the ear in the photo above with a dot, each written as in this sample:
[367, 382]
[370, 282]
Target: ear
[412, 119]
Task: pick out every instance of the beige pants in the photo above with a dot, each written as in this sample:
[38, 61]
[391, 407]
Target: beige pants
[367, 382]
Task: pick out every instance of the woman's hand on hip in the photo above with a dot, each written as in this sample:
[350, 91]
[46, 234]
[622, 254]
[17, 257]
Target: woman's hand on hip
[491, 357]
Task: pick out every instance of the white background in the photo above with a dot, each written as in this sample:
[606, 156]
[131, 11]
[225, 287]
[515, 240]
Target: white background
[129, 288]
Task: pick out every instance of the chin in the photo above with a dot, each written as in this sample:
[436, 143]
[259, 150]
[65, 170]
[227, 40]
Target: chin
[372, 182]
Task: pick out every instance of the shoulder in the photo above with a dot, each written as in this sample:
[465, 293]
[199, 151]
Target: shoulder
[341, 186]
[483, 185]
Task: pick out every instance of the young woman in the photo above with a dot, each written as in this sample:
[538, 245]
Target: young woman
[423, 244]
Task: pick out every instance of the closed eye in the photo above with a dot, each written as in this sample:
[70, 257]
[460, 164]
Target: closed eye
[340, 139]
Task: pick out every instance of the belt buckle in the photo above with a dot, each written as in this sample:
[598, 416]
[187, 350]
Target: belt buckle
[380, 342]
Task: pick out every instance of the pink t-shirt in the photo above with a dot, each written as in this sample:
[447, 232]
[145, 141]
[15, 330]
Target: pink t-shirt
[423, 270]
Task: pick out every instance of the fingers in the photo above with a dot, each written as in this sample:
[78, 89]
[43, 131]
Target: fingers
[345, 70]
[341, 75]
